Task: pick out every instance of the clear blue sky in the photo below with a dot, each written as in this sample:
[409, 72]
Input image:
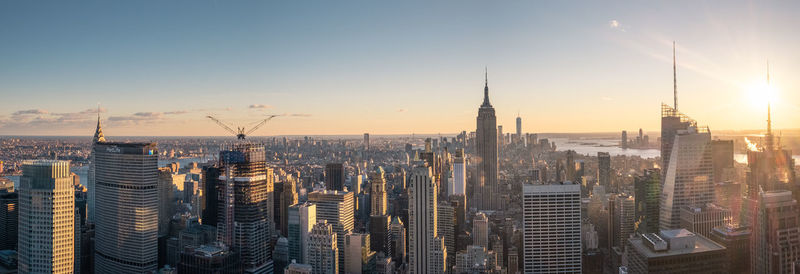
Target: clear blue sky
[347, 67]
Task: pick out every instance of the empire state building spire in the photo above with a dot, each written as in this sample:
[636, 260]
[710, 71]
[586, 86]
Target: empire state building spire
[486, 91]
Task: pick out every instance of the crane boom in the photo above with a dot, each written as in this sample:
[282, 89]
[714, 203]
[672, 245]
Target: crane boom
[260, 124]
[222, 125]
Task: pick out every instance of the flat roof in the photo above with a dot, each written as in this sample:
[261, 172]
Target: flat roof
[701, 244]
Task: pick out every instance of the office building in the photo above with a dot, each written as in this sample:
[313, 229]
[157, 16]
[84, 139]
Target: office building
[323, 254]
[398, 240]
[245, 205]
[722, 155]
[209, 259]
[378, 192]
[289, 198]
[446, 225]
[675, 251]
[359, 258]
[426, 249]
[623, 220]
[334, 176]
[9, 216]
[519, 127]
[46, 242]
[302, 218]
[126, 181]
[552, 228]
[480, 230]
[775, 241]
[689, 178]
[459, 186]
[380, 234]
[647, 188]
[486, 147]
[736, 240]
[475, 259]
[211, 184]
[90, 178]
[297, 268]
[702, 220]
[166, 199]
[604, 169]
[335, 207]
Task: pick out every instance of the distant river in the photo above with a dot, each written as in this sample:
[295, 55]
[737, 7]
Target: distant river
[592, 146]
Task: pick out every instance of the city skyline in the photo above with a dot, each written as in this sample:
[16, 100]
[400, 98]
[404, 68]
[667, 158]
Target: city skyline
[331, 73]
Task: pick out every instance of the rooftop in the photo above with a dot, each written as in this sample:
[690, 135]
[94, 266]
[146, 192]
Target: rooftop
[701, 244]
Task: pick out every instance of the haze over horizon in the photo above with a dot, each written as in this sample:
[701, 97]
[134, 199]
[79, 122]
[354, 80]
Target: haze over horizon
[157, 69]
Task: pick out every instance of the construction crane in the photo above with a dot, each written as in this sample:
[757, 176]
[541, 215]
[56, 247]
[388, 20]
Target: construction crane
[240, 133]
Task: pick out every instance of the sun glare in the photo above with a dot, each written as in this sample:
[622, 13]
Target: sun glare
[760, 94]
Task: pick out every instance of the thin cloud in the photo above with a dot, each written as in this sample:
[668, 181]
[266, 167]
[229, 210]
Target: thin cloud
[260, 106]
[614, 24]
[401, 110]
[176, 112]
[29, 111]
[300, 115]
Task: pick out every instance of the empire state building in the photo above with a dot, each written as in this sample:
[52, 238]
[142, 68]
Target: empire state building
[486, 146]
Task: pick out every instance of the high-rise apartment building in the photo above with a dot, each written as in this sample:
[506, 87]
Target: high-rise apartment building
[426, 249]
[334, 176]
[323, 254]
[335, 207]
[302, 218]
[46, 218]
[126, 207]
[689, 176]
[552, 228]
[245, 205]
[486, 148]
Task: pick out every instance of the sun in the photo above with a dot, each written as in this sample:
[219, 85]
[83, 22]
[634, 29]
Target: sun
[760, 94]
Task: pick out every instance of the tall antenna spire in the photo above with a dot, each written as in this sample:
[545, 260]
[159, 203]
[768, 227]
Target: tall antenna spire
[486, 90]
[770, 141]
[674, 77]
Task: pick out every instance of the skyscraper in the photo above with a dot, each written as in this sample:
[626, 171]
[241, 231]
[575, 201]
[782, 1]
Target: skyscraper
[165, 199]
[689, 178]
[624, 220]
[519, 127]
[552, 228]
[398, 240]
[378, 192]
[335, 207]
[90, 180]
[604, 169]
[334, 176]
[486, 147]
[9, 217]
[675, 251]
[126, 231]
[446, 225]
[46, 218]
[366, 141]
[648, 190]
[289, 198]
[302, 218]
[459, 174]
[358, 255]
[702, 220]
[775, 242]
[245, 190]
[323, 254]
[480, 230]
[424, 251]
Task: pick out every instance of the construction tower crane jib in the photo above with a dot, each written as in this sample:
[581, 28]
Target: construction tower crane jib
[240, 132]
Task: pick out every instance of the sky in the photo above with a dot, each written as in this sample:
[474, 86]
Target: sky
[158, 68]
